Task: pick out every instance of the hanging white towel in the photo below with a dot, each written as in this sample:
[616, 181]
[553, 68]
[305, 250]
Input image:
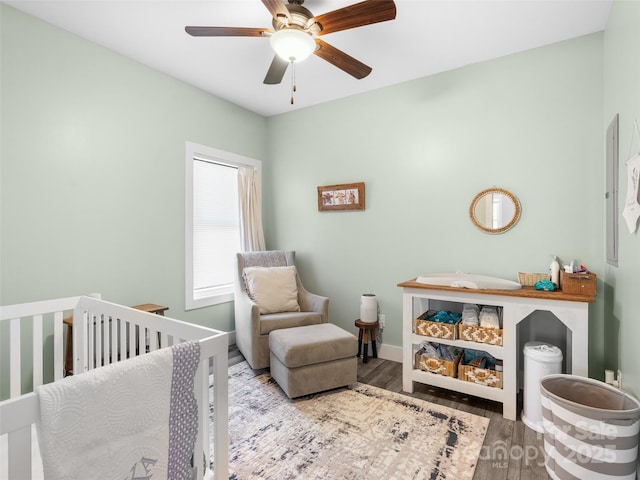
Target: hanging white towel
[631, 211]
[131, 419]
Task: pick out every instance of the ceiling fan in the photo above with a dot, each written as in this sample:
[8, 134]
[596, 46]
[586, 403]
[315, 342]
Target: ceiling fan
[296, 30]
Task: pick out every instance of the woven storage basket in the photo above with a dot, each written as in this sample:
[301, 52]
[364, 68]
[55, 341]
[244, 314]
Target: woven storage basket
[437, 365]
[578, 283]
[476, 333]
[481, 376]
[435, 329]
[530, 279]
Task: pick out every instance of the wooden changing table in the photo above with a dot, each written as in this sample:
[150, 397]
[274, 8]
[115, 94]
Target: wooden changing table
[571, 310]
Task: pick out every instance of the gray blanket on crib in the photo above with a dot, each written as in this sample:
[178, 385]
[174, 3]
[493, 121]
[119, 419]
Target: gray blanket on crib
[133, 419]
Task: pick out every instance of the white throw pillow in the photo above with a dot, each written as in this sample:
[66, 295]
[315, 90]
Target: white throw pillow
[274, 289]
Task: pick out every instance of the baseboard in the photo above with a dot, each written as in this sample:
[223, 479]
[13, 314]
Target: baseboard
[390, 352]
[232, 338]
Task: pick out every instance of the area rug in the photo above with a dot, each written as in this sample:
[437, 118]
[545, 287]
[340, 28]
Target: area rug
[357, 432]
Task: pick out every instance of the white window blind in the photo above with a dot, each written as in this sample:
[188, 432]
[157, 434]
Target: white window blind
[216, 232]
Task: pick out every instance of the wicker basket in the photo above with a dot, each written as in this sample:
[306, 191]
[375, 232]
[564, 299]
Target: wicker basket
[479, 334]
[437, 365]
[530, 279]
[481, 376]
[578, 283]
[435, 329]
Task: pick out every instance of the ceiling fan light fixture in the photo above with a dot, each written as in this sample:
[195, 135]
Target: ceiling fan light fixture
[292, 45]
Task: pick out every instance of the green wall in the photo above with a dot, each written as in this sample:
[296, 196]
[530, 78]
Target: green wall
[92, 185]
[530, 123]
[622, 96]
[93, 170]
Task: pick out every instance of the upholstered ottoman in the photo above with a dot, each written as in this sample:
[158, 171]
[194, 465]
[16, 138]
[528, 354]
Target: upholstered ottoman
[313, 358]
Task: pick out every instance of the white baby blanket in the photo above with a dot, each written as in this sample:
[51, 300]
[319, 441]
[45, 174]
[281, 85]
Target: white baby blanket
[132, 419]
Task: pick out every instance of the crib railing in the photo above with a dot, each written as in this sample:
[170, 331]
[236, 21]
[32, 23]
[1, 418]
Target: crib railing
[31, 320]
[103, 333]
[111, 333]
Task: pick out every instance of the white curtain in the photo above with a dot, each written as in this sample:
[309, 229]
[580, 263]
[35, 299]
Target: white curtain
[251, 234]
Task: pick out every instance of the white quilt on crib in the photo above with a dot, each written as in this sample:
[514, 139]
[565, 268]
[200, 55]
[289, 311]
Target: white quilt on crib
[132, 419]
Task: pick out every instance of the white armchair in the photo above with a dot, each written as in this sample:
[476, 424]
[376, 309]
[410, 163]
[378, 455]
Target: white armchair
[252, 327]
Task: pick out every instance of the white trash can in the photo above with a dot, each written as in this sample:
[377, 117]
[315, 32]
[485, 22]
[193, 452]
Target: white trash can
[540, 359]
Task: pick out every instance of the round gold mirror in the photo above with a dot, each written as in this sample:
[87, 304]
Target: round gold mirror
[494, 210]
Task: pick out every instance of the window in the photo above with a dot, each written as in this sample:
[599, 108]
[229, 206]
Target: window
[212, 224]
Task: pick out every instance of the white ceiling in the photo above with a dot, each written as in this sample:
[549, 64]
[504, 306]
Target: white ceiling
[427, 37]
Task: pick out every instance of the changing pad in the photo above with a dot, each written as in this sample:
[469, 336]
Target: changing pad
[468, 280]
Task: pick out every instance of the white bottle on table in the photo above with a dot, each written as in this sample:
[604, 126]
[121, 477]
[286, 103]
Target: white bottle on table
[554, 270]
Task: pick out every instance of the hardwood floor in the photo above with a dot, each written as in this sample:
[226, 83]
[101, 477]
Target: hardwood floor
[511, 450]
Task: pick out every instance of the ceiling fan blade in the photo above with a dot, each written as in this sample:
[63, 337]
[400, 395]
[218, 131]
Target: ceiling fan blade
[277, 9]
[276, 71]
[226, 31]
[357, 15]
[345, 62]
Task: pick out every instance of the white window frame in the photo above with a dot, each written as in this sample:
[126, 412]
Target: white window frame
[194, 151]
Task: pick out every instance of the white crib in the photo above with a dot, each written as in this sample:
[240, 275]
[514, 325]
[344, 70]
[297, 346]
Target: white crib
[103, 333]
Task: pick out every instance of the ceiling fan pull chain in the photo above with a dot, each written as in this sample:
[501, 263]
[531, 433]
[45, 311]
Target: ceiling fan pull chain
[293, 80]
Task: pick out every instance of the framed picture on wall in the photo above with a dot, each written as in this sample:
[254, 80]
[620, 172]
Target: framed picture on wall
[346, 196]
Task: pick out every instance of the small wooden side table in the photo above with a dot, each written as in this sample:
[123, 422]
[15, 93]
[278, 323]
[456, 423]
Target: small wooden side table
[366, 333]
[68, 321]
[151, 308]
